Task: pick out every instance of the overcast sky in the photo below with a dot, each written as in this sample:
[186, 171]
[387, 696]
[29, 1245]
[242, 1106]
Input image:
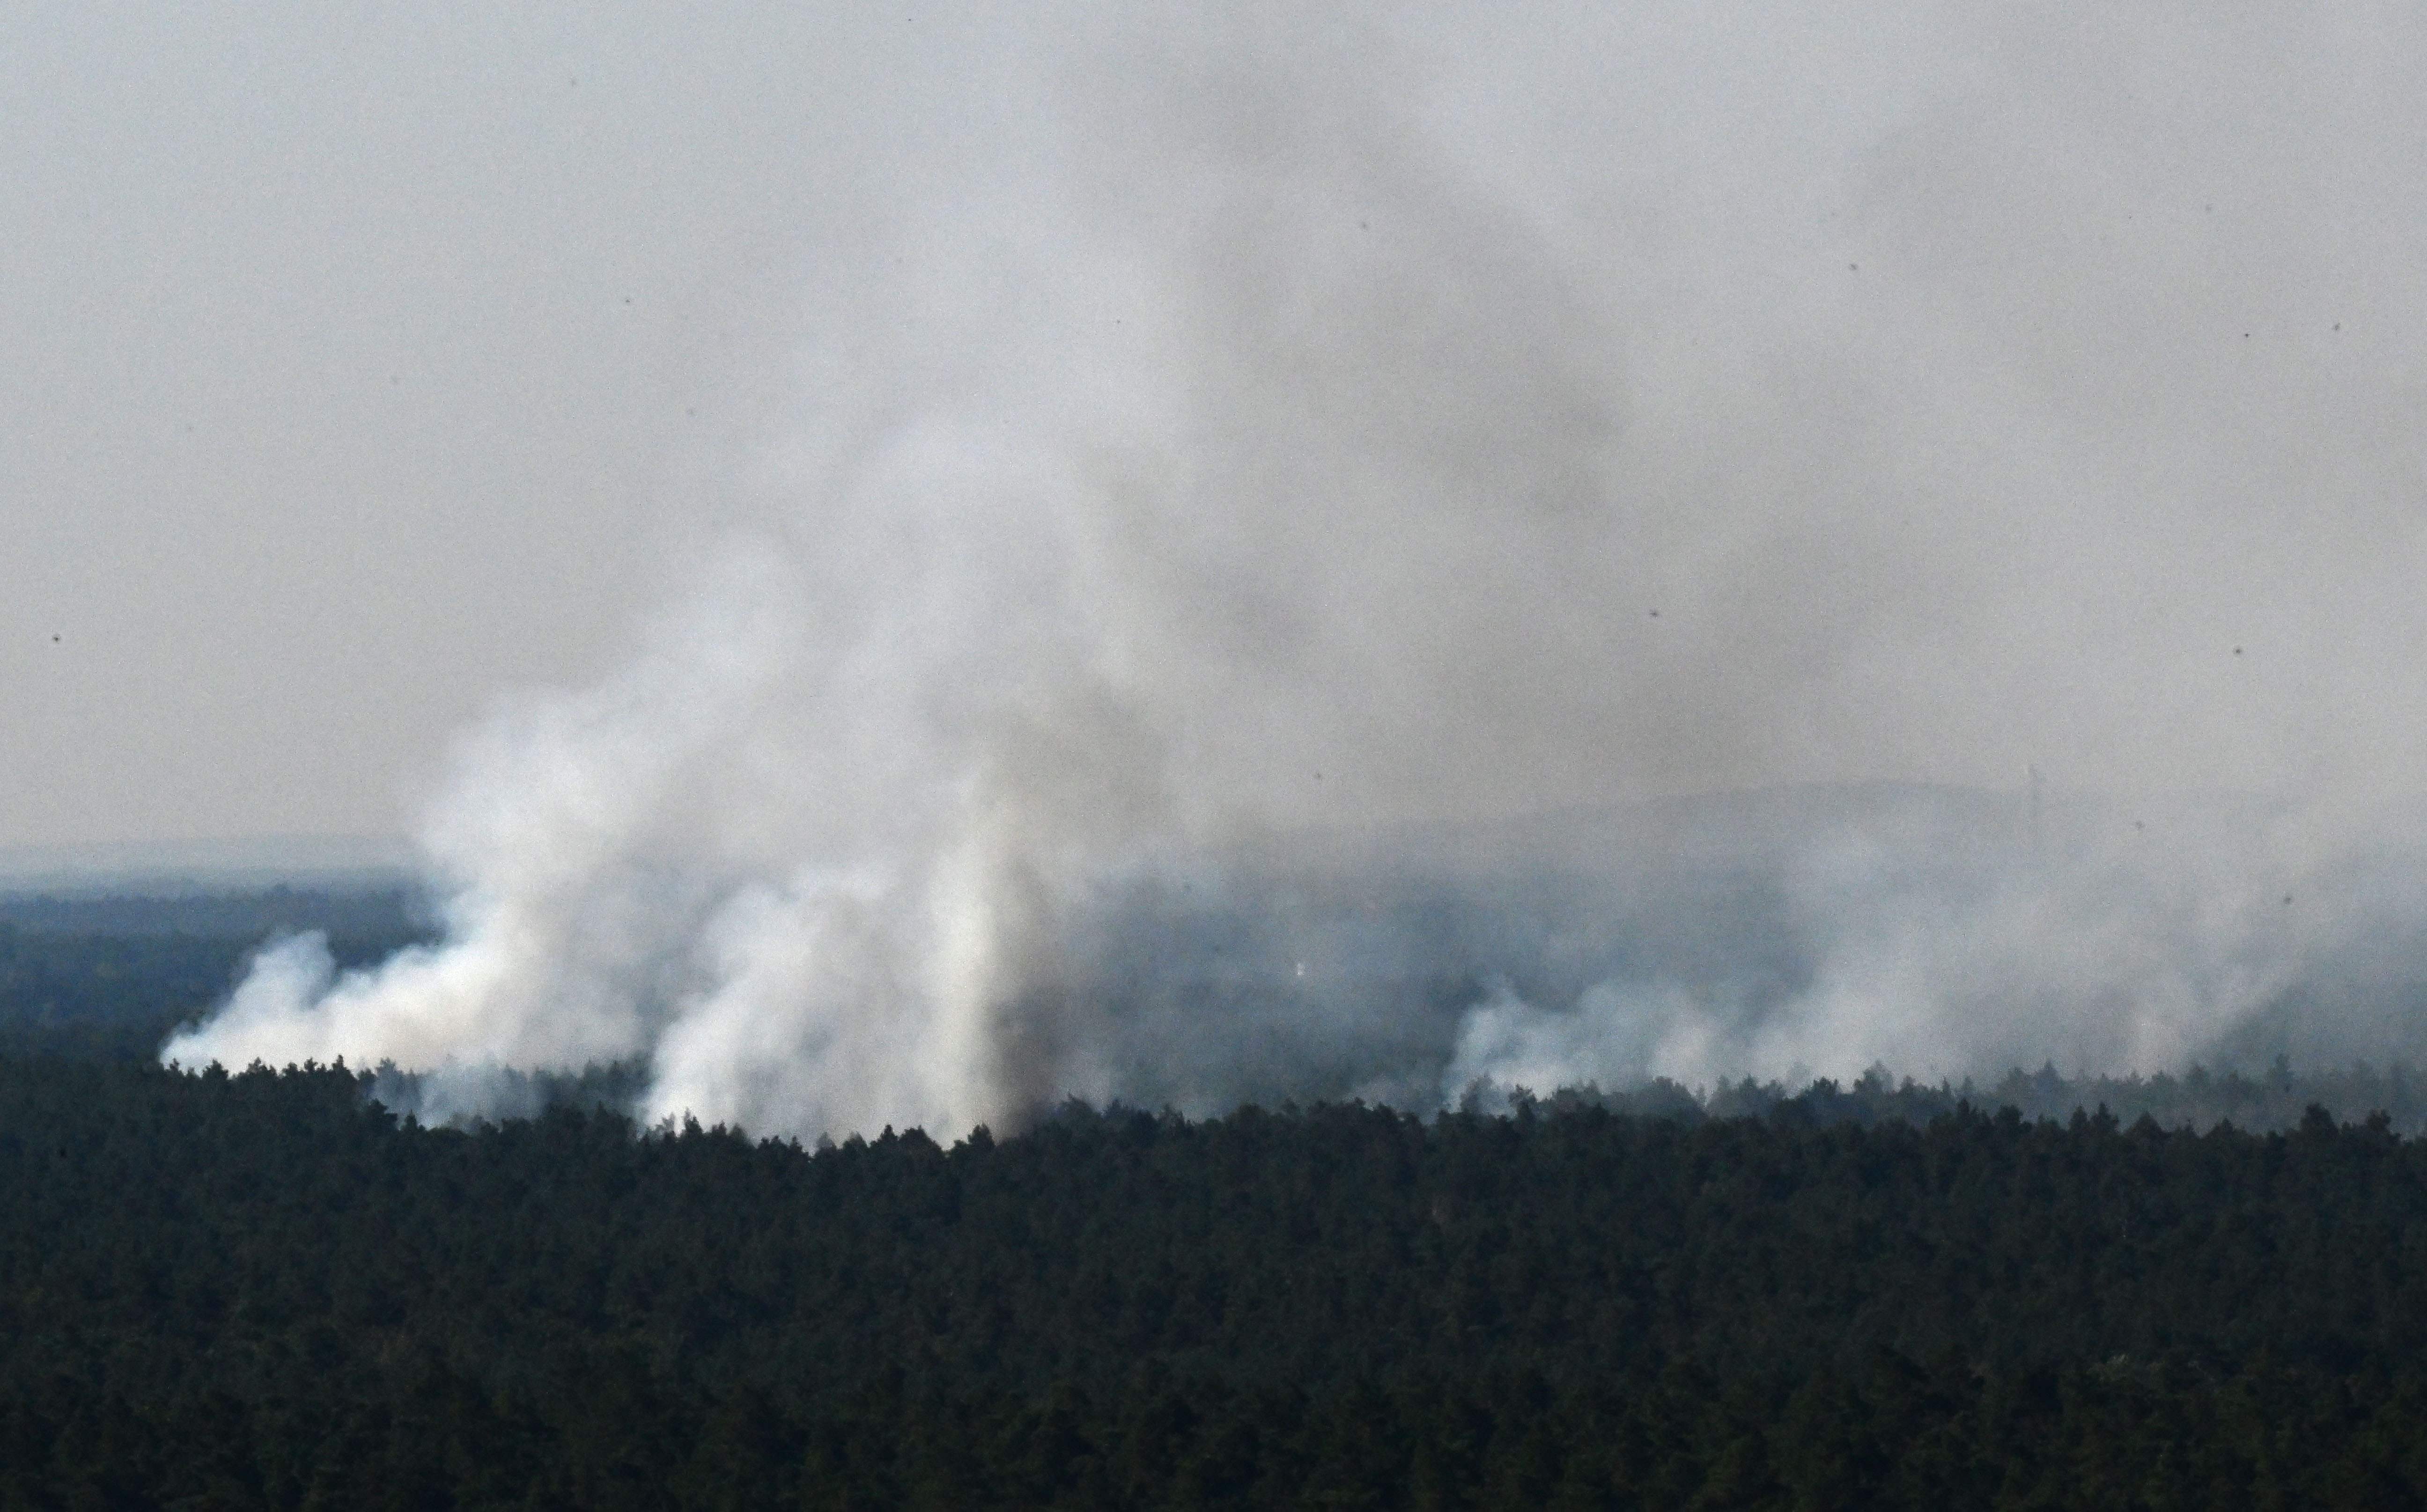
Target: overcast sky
[365, 363]
[364, 367]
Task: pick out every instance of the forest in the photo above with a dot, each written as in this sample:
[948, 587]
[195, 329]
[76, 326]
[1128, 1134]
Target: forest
[268, 1289]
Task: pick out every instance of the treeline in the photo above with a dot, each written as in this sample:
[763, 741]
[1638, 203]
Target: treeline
[2270, 1102]
[2276, 1099]
[265, 1290]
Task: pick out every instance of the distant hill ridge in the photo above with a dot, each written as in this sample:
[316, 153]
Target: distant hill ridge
[171, 868]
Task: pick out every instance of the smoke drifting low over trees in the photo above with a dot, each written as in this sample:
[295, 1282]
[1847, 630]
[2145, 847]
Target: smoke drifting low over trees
[1780, 935]
[107, 976]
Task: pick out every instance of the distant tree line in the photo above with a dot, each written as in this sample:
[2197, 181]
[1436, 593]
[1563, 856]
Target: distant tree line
[246, 915]
[112, 978]
[2277, 1097]
[265, 1290]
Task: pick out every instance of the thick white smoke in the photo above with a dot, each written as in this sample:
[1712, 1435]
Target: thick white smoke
[1255, 536]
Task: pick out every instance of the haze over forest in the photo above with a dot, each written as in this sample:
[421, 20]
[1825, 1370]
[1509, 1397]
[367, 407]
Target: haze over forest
[901, 569]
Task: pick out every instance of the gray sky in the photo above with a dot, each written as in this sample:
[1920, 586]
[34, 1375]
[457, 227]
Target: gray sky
[364, 362]
[368, 364]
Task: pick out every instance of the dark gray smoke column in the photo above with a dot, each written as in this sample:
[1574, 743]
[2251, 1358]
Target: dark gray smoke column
[1267, 496]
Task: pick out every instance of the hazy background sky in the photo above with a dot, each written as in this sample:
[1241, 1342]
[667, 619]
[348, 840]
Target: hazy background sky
[365, 365]
[365, 362]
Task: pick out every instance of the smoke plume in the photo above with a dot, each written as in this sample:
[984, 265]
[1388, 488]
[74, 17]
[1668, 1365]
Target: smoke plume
[1276, 520]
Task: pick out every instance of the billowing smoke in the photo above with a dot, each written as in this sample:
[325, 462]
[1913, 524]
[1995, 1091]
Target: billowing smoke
[1275, 516]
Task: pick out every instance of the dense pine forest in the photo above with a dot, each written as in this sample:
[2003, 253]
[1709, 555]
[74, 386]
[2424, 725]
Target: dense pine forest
[267, 1289]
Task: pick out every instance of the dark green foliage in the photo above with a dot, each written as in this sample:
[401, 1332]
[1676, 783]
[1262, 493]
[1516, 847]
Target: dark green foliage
[114, 998]
[263, 1290]
[2200, 1099]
